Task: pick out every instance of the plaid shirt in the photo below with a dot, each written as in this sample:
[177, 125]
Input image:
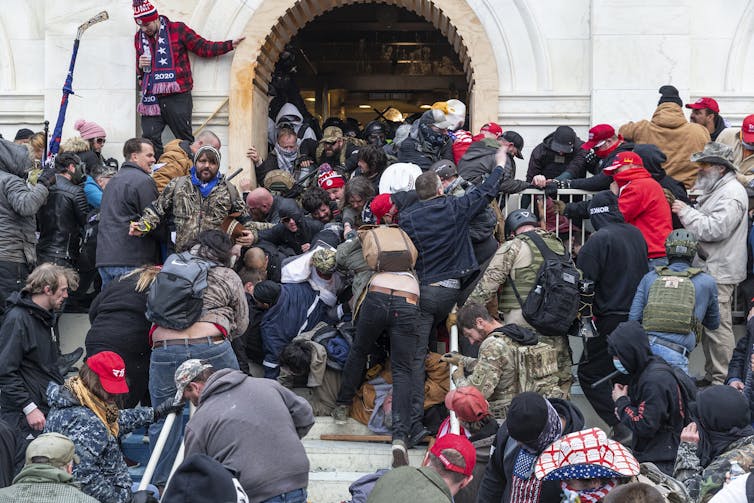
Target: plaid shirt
[183, 38]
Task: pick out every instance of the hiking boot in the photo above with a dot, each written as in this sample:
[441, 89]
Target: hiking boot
[66, 361]
[340, 414]
[400, 453]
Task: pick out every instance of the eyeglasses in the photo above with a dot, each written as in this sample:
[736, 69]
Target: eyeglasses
[100, 140]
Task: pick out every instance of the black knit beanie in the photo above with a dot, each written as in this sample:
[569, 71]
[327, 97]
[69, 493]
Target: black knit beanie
[527, 417]
[669, 94]
[266, 292]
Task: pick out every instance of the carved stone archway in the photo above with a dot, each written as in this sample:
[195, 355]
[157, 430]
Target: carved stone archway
[275, 22]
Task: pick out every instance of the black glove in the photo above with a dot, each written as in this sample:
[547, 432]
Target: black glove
[551, 189]
[590, 158]
[144, 496]
[165, 408]
[564, 184]
[47, 177]
[112, 163]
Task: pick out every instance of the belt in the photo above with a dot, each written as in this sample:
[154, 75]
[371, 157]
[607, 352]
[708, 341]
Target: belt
[210, 339]
[410, 297]
[670, 345]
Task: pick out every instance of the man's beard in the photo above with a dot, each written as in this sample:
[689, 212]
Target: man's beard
[706, 180]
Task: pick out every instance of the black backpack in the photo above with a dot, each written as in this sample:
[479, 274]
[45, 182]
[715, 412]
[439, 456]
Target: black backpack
[175, 298]
[553, 302]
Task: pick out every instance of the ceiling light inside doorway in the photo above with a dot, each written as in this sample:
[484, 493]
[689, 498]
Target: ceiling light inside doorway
[310, 99]
[365, 106]
[425, 107]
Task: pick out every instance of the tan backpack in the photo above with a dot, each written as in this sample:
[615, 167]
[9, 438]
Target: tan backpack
[387, 248]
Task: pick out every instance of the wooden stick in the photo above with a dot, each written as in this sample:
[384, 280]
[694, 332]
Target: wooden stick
[363, 438]
[211, 116]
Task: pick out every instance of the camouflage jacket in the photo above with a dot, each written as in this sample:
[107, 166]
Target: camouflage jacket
[193, 213]
[102, 472]
[704, 483]
[224, 302]
[493, 373]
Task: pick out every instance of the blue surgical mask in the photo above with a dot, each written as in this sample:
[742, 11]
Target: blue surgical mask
[619, 366]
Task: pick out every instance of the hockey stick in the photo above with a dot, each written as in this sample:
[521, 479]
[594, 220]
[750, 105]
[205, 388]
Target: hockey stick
[67, 89]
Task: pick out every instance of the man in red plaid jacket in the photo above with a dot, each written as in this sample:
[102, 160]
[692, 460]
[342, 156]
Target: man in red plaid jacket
[164, 71]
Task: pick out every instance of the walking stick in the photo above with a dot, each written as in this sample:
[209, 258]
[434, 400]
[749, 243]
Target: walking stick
[67, 89]
[157, 451]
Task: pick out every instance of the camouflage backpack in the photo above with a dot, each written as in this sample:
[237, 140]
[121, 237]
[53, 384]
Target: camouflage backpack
[671, 301]
[536, 366]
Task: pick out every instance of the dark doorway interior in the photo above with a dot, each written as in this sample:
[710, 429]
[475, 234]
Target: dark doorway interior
[360, 60]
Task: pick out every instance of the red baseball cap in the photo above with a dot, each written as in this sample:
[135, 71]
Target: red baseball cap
[747, 129]
[597, 135]
[704, 103]
[492, 127]
[468, 403]
[111, 370]
[623, 159]
[457, 443]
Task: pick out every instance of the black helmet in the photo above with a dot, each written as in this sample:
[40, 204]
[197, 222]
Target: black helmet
[681, 244]
[374, 133]
[517, 218]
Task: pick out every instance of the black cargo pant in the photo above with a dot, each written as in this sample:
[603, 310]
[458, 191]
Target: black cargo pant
[12, 279]
[175, 112]
[378, 313]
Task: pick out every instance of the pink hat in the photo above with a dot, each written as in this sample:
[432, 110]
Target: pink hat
[144, 12]
[89, 130]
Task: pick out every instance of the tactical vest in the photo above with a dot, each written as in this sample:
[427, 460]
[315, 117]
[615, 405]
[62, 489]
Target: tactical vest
[671, 301]
[525, 277]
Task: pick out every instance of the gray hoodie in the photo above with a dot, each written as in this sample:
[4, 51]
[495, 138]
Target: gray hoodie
[253, 426]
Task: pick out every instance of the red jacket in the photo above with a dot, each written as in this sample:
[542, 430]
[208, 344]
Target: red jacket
[643, 204]
[183, 39]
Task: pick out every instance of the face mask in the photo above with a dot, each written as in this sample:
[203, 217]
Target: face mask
[619, 366]
[78, 176]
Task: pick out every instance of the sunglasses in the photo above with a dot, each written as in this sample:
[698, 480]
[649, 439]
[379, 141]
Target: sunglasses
[100, 140]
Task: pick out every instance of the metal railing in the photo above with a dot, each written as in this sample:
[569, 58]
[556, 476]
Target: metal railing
[576, 235]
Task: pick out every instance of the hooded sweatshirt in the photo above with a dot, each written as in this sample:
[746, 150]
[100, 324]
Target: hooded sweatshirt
[643, 204]
[258, 433]
[674, 135]
[654, 409]
[614, 257]
[43, 483]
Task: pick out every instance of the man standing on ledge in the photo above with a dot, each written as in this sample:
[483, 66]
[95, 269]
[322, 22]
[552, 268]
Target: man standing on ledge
[164, 71]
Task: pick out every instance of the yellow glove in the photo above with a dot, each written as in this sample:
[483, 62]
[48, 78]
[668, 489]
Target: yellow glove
[669, 196]
[450, 322]
[560, 206]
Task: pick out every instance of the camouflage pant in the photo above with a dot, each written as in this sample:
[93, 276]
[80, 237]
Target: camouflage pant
[565, 375]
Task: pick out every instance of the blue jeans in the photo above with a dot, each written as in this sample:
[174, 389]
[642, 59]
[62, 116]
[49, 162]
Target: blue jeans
[163, 364]
[110, 273]
[297, 496]
[674, 358]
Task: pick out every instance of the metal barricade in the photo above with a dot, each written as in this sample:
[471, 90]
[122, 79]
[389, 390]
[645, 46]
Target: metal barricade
[567, 230]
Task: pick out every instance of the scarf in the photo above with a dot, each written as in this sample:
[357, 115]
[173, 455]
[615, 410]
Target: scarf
[285, 158]
[204, 187]
[586, 495]
[722, 418]
[162, 78]
[106, 412]
[525, 487]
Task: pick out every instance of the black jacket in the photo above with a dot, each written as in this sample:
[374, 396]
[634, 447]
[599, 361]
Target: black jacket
[123, 201]
[117, 319]
[654, 409]
[496, 485]
[412, 151]
[290, 242]
[60, 222]
[28, 354]
[280, 203]
[545, 161]
[614, 257]
[93, 160]
[600, 181]
[478, 161]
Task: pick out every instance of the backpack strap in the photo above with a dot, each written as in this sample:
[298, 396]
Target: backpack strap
[545, 250]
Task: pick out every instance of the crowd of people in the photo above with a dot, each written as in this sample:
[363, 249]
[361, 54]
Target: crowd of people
[327, 284]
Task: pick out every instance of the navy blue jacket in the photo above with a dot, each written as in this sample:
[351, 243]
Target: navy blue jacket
[439, 228]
